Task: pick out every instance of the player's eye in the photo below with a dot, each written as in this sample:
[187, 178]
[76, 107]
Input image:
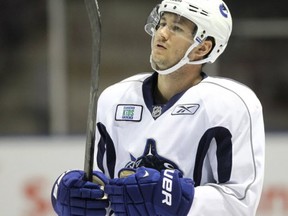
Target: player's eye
[161, 25]
[176, 28]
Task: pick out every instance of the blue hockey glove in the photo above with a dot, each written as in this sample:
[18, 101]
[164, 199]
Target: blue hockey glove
[150, 192]
[72, 195]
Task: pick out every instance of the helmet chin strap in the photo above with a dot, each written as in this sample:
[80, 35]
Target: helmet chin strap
[182, 62]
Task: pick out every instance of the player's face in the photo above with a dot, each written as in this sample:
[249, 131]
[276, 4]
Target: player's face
[172, 38]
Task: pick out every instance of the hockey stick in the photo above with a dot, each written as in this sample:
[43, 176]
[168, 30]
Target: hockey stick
[95, 23]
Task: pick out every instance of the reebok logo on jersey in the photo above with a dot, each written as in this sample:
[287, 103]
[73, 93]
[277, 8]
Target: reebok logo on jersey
[128, 112]
[186, 109]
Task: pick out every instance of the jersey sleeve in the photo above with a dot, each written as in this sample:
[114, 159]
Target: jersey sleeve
[104, 150]
[103, 141]
[237, 191]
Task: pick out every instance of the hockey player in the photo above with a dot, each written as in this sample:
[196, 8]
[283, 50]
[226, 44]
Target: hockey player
[177, 141]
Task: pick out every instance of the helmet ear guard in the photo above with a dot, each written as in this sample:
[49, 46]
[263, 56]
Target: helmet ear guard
[212, 18]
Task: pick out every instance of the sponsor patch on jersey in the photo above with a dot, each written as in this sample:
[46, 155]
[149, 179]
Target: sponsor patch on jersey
[128, 112]
[186, 109]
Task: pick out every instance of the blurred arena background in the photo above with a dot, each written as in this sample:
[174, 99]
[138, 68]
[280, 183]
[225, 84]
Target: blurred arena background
[45, 60]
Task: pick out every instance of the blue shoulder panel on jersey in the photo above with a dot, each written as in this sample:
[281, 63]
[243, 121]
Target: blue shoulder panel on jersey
[224, 153]
[106, 145]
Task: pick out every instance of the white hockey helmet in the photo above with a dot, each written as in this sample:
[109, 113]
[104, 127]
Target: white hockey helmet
[212, 18]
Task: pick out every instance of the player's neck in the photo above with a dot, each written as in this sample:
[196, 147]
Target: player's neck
[174, 83]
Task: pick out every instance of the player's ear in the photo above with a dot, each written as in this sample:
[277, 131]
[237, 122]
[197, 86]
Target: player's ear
[203, 49]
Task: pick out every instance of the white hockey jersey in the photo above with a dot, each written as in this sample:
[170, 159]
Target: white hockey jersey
[212, 132]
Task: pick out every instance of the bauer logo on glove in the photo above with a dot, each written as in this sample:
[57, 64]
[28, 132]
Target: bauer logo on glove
[150, 192]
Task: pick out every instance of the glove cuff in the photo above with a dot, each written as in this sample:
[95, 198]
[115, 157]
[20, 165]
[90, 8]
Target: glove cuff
[175, 194]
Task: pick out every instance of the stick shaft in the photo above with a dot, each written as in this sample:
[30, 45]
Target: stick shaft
[95, 23]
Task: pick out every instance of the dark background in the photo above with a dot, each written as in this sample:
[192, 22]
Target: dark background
[256, 56]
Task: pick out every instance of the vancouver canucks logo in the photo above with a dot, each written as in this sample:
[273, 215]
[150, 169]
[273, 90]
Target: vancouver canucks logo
[223, 10]
[151, 159]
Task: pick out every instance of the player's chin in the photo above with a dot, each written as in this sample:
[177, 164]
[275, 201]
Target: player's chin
[157, 65]
[161, 64]
[158, 61]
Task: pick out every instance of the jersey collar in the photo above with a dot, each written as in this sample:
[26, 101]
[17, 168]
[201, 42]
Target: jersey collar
[148, 88]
